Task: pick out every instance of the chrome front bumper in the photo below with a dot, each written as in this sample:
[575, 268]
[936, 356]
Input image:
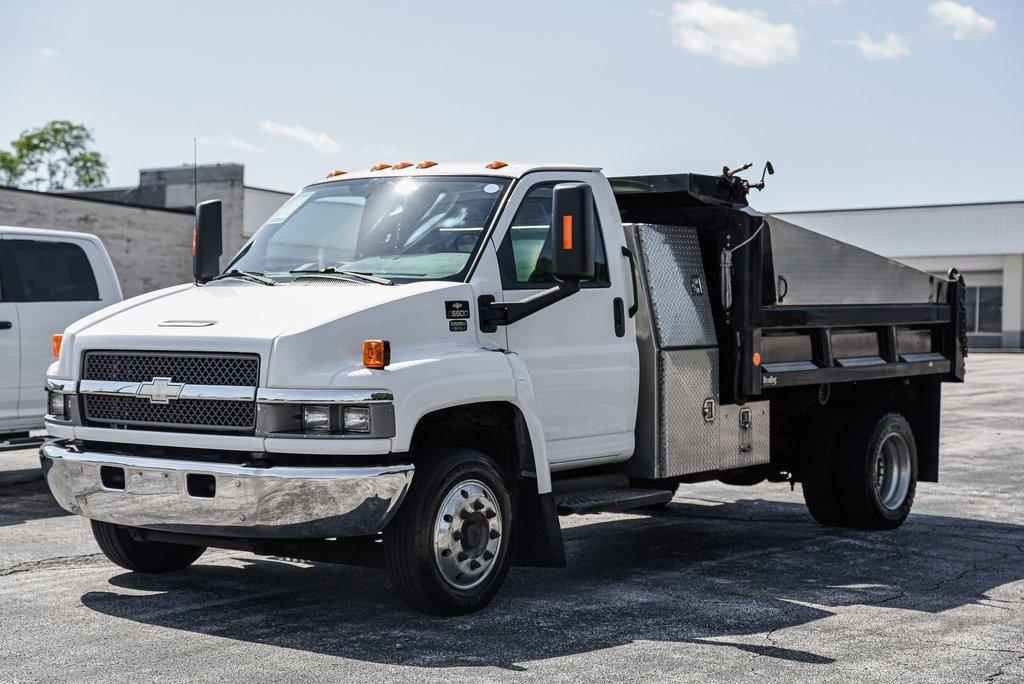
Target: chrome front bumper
[276, 502]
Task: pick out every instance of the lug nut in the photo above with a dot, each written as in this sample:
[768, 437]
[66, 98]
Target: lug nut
[489, 514]
[474, 565]
[494, 534]
[477, 505]
[464, 514]
[457, 535]
[488, 555]
[462, 556]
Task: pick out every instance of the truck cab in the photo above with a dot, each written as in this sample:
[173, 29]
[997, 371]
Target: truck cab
[420, 366]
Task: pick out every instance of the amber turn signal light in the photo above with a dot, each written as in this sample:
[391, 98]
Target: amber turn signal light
[55, 343]
[376, 353]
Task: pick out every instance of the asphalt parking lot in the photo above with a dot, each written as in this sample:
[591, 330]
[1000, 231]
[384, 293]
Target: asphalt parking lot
[727, 584]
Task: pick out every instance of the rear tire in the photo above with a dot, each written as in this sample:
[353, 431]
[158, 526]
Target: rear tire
[117, 544]
[447, 548]
[877, 471]
[819, 478]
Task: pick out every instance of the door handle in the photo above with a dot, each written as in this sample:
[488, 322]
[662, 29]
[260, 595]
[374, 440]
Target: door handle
[632, 275]
[6, 325]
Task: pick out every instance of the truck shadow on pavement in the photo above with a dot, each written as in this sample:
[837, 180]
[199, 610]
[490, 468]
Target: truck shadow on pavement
[26, 500]
[726, 575]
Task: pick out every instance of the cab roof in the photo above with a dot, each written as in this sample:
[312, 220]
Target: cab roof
[481, 168]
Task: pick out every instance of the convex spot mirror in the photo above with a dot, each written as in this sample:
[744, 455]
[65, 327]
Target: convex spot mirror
[573, 232]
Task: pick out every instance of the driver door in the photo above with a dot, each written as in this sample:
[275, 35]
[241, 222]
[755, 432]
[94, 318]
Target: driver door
[582, 365]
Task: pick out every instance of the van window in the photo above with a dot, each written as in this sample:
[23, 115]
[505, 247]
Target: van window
[525, 254]
[49, 272]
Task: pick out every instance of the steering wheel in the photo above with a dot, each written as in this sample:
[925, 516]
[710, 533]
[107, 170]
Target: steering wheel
[464, 242]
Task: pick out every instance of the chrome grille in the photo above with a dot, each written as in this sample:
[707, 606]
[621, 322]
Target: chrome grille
[200, 414]
[105, 407]
[191, 369]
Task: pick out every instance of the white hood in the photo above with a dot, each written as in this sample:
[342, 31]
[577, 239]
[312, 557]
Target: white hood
[239, 316]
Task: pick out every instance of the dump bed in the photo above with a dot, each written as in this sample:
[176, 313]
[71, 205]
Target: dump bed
[782, 306]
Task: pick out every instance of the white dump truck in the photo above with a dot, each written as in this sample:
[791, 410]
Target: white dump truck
[421, 366]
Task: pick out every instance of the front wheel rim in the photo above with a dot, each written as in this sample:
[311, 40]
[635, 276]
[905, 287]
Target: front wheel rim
[892, 471]
[467, 534]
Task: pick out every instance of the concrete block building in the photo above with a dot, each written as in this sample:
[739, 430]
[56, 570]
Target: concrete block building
[147, 228]
[984, 241]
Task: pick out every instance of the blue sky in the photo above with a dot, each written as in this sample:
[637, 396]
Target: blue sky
[857, 102]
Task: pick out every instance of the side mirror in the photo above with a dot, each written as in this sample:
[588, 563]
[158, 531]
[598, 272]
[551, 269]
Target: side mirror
[573, 232]
[207, 243]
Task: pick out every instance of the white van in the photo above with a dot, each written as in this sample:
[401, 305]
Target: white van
[48, 280]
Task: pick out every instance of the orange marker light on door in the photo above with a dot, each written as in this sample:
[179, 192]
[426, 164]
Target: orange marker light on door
[567, 232]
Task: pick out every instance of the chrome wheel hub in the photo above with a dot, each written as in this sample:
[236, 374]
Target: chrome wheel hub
[467, 534]
[892, 470]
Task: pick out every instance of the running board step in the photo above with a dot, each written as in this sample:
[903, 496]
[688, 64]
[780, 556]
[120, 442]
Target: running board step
[610, 500]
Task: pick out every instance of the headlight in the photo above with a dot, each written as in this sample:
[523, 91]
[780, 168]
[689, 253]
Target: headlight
[57, 405]
[316, 418]
[357, 419]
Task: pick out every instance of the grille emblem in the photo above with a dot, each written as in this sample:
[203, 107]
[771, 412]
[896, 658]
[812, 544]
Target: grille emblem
[159, 390]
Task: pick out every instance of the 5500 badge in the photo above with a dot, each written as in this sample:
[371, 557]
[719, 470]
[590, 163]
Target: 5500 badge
[457, 313]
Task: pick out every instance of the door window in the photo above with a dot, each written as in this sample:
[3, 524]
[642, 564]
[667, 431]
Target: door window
[48, 272]
[525, 254]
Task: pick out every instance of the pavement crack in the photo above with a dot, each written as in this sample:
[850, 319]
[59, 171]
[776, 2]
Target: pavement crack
[50, 563]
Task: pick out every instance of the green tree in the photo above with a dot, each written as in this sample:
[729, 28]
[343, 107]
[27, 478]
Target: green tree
[55, 156]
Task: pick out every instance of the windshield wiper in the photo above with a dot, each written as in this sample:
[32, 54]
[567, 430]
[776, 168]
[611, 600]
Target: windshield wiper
[358, 275]
[251, 276]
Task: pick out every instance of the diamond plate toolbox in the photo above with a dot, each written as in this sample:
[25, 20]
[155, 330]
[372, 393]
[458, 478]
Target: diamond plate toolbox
[677, 287]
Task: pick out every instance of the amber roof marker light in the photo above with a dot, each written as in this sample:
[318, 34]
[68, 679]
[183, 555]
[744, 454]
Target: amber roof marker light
[497, 165]
[403, 165]
[380, 167]
[426, 164]
[335, 173]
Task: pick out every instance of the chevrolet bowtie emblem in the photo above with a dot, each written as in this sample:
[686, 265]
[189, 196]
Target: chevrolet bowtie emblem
[159, 390]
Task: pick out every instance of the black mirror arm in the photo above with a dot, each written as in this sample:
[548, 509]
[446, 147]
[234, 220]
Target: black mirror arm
[493, 314]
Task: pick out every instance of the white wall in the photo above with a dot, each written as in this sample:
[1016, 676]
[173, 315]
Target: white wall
[257, 206]
[963, 229]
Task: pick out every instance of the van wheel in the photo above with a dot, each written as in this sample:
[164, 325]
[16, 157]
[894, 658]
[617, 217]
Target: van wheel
[877, 471]
[117, 544]
[447, 548]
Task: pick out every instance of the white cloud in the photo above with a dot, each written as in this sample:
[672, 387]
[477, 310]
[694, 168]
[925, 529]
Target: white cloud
[47, 56]
[964, 20]
[825, 2]
[743, 38]
[233, 143]
[318, 140]
[889, 48]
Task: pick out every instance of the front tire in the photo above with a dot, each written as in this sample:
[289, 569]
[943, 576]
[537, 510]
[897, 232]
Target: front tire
[447, 548]
[117, 544]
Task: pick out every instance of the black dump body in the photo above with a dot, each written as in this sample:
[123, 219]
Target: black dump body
[799, 312]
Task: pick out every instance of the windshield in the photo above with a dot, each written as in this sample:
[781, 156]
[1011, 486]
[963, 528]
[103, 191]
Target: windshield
[397, 227]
